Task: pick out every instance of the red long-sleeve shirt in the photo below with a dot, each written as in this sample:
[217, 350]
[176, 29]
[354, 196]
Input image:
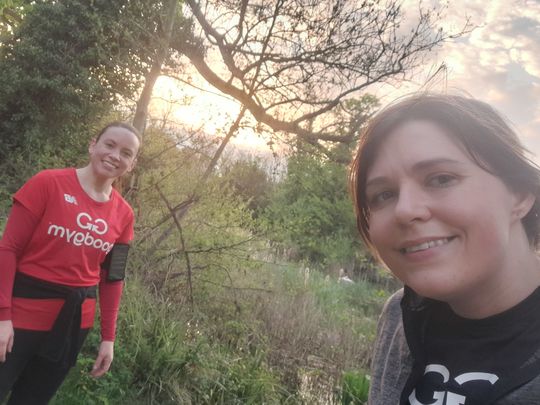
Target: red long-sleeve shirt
[57, 233]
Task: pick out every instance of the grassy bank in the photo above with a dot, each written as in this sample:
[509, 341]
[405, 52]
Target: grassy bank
[277, 334]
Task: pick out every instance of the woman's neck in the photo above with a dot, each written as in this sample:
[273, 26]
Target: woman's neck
[97, 188]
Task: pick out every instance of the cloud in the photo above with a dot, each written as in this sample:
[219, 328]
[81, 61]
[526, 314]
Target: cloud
[499, 61]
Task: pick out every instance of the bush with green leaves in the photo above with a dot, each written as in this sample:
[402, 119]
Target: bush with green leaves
[65, 66]
[310, 213]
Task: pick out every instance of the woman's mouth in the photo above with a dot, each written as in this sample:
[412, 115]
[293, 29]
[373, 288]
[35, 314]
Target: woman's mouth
[109, 164]
[426, 245]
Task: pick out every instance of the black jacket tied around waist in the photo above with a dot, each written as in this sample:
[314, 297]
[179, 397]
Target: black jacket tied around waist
[61, 342]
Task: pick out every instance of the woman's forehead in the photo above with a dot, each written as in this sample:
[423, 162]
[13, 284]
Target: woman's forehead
[121, 135]
[414, 142]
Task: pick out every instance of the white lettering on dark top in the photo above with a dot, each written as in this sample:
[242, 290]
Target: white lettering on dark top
[447, 397]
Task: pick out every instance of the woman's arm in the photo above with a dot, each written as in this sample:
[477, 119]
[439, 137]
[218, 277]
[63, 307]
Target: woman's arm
[110, 293]
[19, 230]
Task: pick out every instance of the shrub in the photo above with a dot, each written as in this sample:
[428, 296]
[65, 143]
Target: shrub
[355, 388]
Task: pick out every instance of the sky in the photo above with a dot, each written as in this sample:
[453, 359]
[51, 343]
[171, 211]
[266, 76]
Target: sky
[497, 62]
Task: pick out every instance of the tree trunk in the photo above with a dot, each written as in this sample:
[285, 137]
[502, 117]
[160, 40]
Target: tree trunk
[141, 112]
[139, 121]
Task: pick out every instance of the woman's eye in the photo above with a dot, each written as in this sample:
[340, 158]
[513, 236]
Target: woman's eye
[381, 197]
[441, 180]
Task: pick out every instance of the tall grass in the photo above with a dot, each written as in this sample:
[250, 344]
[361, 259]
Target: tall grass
[162, 356]
[310, 324]
[261, 339]
[311, 314]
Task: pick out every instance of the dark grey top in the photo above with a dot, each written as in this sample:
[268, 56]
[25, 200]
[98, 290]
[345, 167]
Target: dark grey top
[392, 363]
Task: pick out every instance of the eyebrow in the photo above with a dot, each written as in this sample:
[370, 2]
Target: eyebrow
[418, 166]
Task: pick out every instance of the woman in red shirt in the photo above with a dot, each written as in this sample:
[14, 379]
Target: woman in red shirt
[67, 234]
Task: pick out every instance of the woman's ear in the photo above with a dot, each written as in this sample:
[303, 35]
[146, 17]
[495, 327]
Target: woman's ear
[523, 204]
[91, 145]
[132, 165]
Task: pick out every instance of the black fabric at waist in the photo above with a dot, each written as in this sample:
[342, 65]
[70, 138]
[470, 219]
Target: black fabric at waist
[26, 286]
[61, 343]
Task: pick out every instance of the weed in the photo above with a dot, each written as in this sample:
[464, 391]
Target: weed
[355, 388]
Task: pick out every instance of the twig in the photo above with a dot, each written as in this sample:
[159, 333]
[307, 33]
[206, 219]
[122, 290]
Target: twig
[183, 245]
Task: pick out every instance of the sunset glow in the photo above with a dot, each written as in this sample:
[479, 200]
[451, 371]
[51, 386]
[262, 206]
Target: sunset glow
[497, 62]
[205, 110]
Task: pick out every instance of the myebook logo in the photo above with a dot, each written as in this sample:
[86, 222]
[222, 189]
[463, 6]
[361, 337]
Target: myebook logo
[79, 238]
[70, 199]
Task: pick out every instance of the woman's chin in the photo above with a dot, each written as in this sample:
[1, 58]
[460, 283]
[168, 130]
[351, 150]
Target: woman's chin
[439, 291]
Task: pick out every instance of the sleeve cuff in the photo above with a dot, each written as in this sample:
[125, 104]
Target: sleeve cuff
[107, 337]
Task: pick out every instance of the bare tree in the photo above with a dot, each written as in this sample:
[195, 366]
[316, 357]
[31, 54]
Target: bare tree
[291, 62]
[294, 64]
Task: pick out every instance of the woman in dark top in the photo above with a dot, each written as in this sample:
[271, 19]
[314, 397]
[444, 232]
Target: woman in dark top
[446, 198]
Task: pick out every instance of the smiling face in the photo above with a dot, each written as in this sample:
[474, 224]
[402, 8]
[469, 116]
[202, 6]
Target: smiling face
[114, 153]
[444, 226]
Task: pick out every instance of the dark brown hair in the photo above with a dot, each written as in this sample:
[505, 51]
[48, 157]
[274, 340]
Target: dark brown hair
[120, 124]
[475, 125]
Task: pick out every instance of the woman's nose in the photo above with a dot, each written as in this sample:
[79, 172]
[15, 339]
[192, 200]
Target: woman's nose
[115, 154]
[412, 205]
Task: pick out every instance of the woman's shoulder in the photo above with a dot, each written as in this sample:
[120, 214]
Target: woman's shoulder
[53, 174]
[44, 180]
[391, 361]
[390, 331]
[392, 307]
[525, 395]
[390, 327]
[121, 204]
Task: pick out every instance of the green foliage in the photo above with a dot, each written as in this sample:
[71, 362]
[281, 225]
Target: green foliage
[250, 181]
[66, 65]
[163, 357]
[240, 345]
[311, 212]
[217, 229]
[343, 300]
[156, 352]
[355, 388]
[11, 14]
[230, 379]
[80, 387]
